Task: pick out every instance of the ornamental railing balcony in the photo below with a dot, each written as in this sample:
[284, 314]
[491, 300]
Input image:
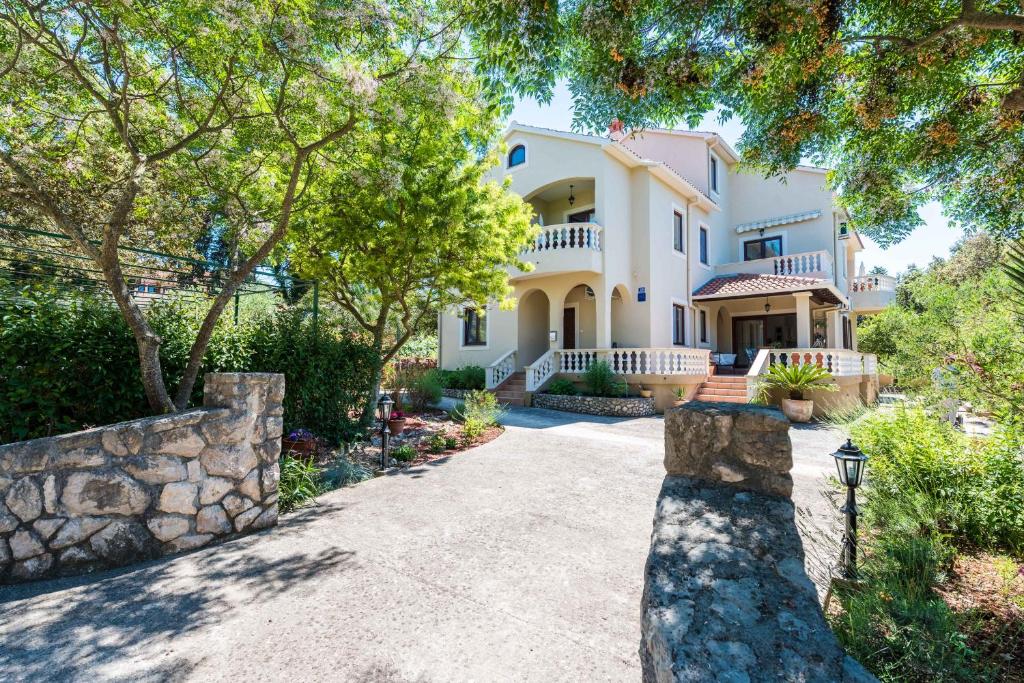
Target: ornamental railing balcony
[815, 264]
[871, 292]
[563, 248]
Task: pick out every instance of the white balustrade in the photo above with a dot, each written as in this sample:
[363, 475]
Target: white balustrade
[501, 369]
[541, 370]
[638, 361]
[873, 283]
[839, 362]
[817, 264]
[566, 236]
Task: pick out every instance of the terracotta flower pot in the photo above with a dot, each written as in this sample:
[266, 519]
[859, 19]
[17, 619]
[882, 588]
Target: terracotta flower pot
[678, 402]
[646, 393]
[396, 427]
[797, 411]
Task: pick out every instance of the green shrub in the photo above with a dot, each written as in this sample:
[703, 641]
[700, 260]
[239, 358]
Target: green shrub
[68, 362]
[300, 483]
[974, 490]
[562, 387]
[437, 444]
[450, 442]
[404, 453]
[468, 377]
[425, 389]
[601, 381]
[480, 412]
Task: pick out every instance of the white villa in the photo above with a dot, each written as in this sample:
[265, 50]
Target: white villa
[657, 255]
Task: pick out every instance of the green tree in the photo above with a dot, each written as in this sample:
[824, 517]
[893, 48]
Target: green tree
[144, 120]
[910, 102]
[409, 226]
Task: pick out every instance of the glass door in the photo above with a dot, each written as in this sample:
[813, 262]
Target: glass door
[748, 338]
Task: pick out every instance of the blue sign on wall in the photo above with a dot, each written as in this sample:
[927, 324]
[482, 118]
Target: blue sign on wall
[641, 294]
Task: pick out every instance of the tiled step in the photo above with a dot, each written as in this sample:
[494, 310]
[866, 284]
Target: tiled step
[718, 391]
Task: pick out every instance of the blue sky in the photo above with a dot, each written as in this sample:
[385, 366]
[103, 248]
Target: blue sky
[932, 239]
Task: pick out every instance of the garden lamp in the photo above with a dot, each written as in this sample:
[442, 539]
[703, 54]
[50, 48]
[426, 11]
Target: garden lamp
[850, 463]
[384, 406]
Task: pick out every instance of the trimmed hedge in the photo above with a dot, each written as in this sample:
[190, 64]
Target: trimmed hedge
[69, 362]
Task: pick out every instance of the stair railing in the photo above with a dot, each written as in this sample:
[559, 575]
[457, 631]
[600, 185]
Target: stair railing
[501, 369]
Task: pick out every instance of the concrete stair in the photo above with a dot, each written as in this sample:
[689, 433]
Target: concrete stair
[724, 389]
[512, 391]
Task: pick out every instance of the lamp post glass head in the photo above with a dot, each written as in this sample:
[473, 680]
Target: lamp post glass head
[850, 464]
[384, 405]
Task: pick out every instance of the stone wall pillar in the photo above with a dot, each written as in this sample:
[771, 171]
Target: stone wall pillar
[726, 597]
[127, 492]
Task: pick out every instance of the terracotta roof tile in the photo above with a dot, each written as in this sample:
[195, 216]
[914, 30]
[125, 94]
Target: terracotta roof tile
[746, 284]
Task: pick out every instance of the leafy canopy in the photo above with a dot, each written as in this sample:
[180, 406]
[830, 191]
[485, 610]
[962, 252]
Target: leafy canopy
[909, 101]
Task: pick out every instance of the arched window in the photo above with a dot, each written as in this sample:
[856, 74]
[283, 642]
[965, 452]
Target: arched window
[517, 156]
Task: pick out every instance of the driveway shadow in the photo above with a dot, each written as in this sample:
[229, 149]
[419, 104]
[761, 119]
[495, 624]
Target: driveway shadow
[68, 629]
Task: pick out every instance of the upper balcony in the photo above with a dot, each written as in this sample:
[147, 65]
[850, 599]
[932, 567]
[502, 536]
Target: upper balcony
[871, 293]
[815, 264]
[563, 248]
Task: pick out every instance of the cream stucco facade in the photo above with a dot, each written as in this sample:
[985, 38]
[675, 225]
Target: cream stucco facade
[659, 241]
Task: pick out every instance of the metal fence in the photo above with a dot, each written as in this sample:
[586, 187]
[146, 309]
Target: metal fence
[30, 257]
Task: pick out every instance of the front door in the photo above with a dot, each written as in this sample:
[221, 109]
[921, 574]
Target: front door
[748, 338]
[569, 328]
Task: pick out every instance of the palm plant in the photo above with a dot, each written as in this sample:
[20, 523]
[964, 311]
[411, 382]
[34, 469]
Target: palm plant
[795, 380]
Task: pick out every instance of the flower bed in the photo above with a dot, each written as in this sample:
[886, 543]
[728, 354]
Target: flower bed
[597, 405]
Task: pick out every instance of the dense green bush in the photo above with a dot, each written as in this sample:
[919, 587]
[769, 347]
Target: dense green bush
[404, 453]
[69, 362]
[425, 389]
[468, 377]
[479, 412]
[930, 492]
[601, 381]
[562, 387]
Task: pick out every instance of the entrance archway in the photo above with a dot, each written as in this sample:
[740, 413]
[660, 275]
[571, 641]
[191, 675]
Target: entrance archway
[532, 323]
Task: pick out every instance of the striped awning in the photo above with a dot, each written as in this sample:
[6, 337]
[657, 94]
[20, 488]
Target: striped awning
[779, 220]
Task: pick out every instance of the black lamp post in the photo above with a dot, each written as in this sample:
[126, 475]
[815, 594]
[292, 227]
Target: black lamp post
[384, 406]
[850, 464]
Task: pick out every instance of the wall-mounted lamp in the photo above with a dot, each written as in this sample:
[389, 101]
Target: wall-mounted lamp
[767, 306]
[572, 199]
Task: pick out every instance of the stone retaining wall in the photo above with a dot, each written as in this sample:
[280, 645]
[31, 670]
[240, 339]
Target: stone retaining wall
[726, 596]
[119, 494]
[456, 393]
[597, 405]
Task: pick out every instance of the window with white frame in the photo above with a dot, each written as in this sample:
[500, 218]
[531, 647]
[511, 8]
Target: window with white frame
[678, 325]
[713, 173]
[704, 245]
[703, 325]
[474, 327]
[678, 232]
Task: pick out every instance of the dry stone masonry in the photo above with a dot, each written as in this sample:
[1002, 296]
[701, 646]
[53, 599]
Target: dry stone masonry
[725, 596]
[132, 491]
[596, 405]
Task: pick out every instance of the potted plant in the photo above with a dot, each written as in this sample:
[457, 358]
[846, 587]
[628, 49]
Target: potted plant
[680, 395]
[396, 425]
[300, 442]
[645, 392]
[795, 381]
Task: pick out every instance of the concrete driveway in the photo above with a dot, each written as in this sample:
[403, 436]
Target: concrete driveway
[519, 560]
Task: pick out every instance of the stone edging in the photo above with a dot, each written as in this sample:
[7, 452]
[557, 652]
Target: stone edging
[457, 393]
[597, 405]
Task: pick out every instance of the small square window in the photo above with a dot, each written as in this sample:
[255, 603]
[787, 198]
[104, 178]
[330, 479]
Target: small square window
[678, 232]
[474, 328]
[678, 325]
[704, 245]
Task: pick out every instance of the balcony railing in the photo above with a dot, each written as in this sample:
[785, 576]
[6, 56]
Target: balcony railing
[627, 361]
[839, 362]
[816, 264]
[869, 293]
[564, 248]
[567, 236]
[873, 283]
